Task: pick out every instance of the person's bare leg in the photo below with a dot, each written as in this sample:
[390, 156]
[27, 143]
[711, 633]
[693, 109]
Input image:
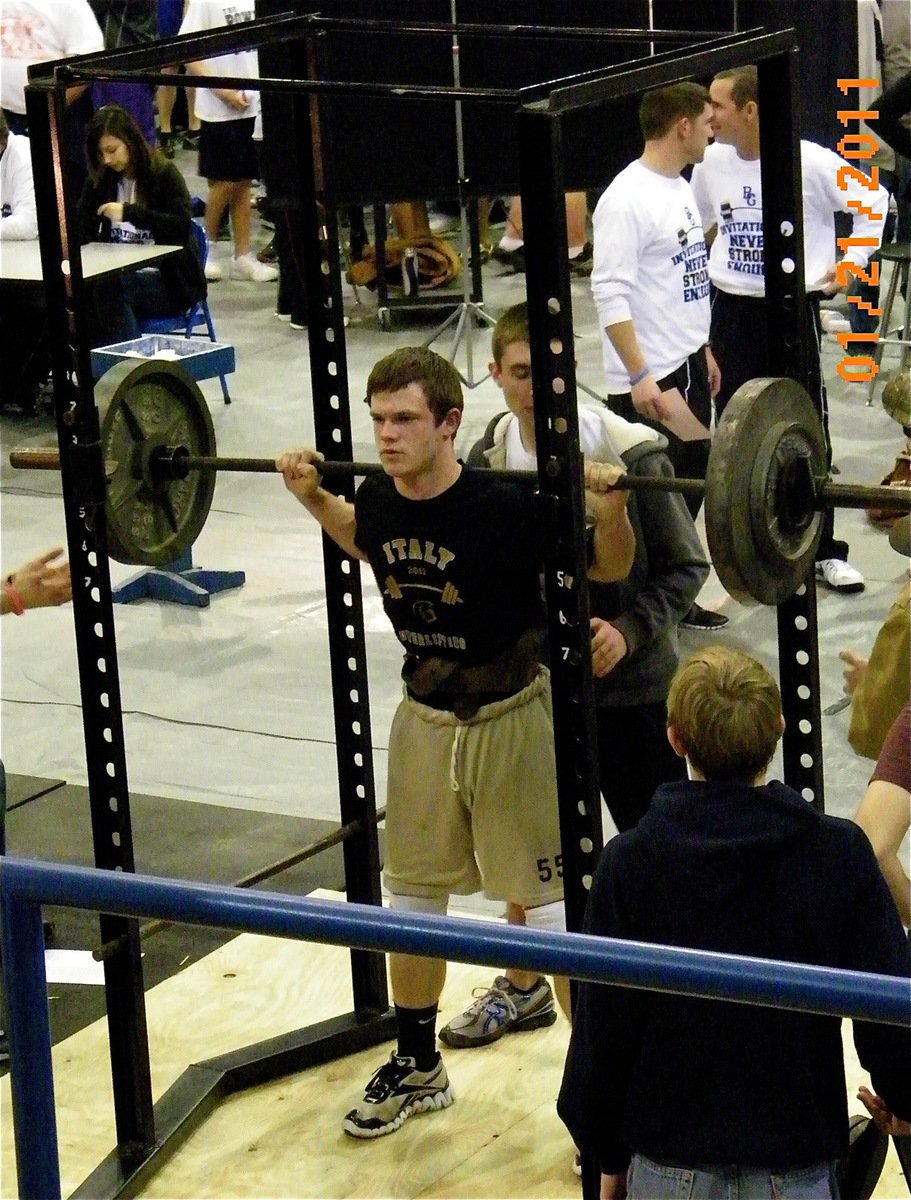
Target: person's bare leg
[576, 221]
[240, 217]
[564, 997]
[192, 119]
[411, 220]
[417, 982]
[217, 201]
[484, 220]
[514, 219]
[510, 244]
[165, 98]
[515, 915]
[526, 980]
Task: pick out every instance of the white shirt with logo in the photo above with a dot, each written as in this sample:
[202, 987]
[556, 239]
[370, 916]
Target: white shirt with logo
[39, 31]
[125, 231]
[728, 190]
[651, 267]
[203, 15]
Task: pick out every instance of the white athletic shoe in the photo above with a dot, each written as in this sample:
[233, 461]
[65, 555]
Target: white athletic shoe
[442, 223]
[396, 1092]
[839, 576]
[214, 273]
[833, 322]
[247, 267]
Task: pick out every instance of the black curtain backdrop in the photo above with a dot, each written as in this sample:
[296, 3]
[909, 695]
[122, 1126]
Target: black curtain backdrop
[391, 149]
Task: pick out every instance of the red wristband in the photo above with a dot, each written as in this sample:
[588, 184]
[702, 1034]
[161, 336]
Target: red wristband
[17, 604]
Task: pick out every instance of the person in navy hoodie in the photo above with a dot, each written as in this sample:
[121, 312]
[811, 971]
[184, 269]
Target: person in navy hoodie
[676, 1095]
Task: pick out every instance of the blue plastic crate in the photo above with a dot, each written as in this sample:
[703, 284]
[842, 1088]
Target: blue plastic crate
[200, 358]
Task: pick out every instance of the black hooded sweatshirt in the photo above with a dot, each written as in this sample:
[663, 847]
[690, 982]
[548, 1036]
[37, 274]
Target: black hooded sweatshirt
[696, 1082]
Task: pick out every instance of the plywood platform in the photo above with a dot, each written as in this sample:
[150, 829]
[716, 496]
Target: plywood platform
[501, 1138]
[20, 789]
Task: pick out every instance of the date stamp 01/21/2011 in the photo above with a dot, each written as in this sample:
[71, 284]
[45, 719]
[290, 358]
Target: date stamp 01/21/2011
[859, 146]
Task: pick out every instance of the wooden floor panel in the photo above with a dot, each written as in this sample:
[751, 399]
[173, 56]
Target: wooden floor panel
[501, 1138]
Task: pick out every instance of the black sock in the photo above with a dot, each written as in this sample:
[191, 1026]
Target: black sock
[418, 1035]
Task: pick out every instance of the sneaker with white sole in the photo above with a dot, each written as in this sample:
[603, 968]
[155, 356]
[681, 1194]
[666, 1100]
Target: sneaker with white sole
[498, 1010]
[213, 271]
[839, 576]
[396, 1092]
[442, 223]
[833, 322]
[246, 267]
[704, 620]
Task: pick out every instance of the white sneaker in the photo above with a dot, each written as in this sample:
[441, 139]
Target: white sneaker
[833, 322]
[839, 575]
[442, 223]
[247, 267]
[213, 271]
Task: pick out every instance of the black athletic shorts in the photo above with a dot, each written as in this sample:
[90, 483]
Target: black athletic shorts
[226, 150]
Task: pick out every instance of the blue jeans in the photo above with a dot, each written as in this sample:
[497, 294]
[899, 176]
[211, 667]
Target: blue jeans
[122, 300]
[651, 1181]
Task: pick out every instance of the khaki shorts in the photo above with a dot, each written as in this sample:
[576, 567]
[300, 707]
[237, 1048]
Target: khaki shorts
[473, 804]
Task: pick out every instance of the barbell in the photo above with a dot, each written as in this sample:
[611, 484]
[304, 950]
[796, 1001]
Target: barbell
[765, 488]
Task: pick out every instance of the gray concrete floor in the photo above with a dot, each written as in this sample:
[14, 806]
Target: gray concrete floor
[229, 705]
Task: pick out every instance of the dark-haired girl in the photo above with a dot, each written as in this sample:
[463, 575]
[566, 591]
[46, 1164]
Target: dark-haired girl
[135, 195]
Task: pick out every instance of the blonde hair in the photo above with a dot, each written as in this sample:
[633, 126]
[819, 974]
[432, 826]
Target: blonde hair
[726, 710]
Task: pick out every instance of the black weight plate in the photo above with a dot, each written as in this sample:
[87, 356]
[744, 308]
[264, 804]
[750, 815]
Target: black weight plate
[143, 405]
[759, 556]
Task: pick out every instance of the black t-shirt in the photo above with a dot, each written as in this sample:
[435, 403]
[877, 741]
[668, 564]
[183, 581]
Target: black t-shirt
[459, 573]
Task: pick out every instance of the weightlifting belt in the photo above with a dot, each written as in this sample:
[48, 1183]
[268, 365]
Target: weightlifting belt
[444, 684]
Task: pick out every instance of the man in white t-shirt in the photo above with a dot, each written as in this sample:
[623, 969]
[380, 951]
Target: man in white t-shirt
[650, 284]
[33, 31]
[227, 158]
[728, 190]
[18, 211]
[24, 358]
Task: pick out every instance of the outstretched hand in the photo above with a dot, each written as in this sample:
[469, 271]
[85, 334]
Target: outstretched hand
[41, 582]
[856, 666]
[884, 1118]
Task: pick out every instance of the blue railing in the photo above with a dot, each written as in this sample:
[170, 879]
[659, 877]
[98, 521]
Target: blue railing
[26, 885]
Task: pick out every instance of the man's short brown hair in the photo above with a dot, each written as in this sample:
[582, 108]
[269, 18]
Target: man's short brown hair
[745, 86]
[663, 107]
[416, 364]
[726, 710]
[512, 326]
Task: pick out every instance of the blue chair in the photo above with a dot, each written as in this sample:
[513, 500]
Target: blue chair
[196, 317]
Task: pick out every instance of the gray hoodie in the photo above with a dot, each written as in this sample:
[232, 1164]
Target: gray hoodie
[668, 570]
